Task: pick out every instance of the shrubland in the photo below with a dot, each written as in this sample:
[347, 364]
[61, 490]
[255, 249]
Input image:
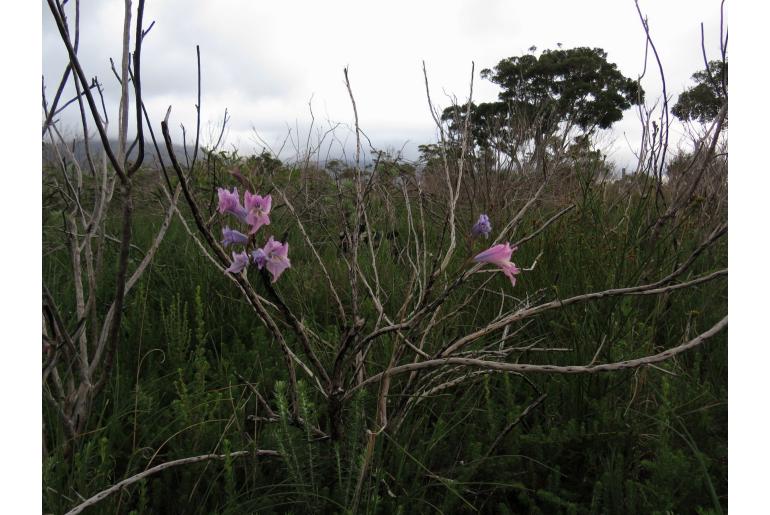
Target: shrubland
[365, 343]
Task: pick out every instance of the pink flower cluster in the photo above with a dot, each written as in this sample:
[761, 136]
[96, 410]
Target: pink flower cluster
[254, 212]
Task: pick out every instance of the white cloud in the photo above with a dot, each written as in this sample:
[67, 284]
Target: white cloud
[264, 60]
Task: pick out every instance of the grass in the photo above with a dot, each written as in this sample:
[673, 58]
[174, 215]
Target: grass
[651, 440]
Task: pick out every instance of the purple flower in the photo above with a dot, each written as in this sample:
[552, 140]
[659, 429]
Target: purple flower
[229, 202]
[257, 208]
[500, 255]
[240, 261]
[233, 237]
[259, 257]
[274, 256]
[482, 227]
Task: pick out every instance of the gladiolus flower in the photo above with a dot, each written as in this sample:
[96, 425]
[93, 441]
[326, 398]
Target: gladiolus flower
[259, 257]
[240, 261]
[233, 237]
[229, 202]
[500, 255]
[482, 227]
[273, 256]
[258, 209]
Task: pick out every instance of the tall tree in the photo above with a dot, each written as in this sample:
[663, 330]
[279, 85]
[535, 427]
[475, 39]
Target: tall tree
[560, 88]
[703, 101]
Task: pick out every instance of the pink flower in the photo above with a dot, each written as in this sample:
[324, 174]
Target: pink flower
[240, 261]
[500, 255]
[258, 209]
[230, 202]
[274, 256]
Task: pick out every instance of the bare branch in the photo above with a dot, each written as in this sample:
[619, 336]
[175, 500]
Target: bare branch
[163, 466]
[551, 369]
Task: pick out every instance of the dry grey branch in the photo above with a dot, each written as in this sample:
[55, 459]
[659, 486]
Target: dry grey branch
[552, 369]
[163, 466]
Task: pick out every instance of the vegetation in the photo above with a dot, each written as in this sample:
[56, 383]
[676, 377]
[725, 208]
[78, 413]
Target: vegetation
[572, 92]
[387, 370]
[703, 101]
[605, 443]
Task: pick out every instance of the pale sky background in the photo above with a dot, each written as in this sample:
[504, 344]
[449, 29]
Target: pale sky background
[265, 60]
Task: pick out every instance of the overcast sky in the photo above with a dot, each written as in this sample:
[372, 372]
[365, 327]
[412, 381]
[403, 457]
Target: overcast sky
[263, 61]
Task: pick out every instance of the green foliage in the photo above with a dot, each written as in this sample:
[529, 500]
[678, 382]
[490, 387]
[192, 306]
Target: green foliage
[539, 93]
[228, 471]
[577, 83]
[177, 328]
[645, 441]
[703, 101]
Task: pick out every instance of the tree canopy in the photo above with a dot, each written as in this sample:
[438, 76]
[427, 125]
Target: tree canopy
[575, 87]
[578, 84]
[703, 101]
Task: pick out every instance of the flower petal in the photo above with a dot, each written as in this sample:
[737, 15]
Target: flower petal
[482, 227]
[240, 261]
[233, 237]
[276, 266]
[496, 254]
